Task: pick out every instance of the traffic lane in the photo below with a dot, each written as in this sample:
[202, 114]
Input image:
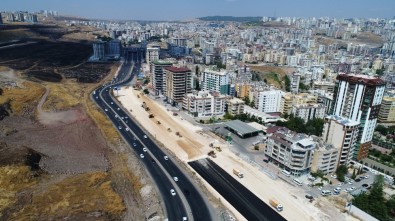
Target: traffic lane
[194, 198]
[173, 204]
[243, 200]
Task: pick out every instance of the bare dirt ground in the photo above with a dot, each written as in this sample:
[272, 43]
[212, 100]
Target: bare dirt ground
[194, 144]
[47, 152]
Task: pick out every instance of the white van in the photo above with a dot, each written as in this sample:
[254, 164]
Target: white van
[326, 192]
[298, 182]
[286, 173]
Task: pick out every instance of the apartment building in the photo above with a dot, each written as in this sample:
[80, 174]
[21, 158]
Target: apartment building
[235, 106]
[358, 97]
[178, 83]
[242, 89]
[269, 101]
[215, 81]
[295, 80]
[308, 111]
[204, 104]
[324, 85]
[152, 54]
[158, 76]
[387, 110]
[289, 150]
[325, 157]
[342, 133]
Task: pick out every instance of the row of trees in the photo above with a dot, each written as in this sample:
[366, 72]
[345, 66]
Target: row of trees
[374, 202]
[297, 124]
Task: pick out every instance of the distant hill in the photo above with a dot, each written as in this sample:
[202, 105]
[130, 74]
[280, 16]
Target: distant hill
[230, 18]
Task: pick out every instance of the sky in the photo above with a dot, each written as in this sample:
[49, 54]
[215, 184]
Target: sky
[189, 9]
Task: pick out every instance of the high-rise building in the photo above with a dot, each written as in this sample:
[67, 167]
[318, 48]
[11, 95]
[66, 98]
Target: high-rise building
[215, 81]
[325, 157]
[99, 50]
[358, 98]
[10, 17]
[158, 76]
[178, 83]
[295, 80]
[387, 110]
[342, 133]
[152, 54]
[269, 101]
[242, 90]
[1, 19]
[114, 48]
[235, 106]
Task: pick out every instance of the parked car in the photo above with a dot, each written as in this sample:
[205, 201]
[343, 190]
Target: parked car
[173, 193]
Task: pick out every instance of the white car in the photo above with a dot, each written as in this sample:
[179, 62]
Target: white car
[106, 110]
[119, 109]
[145, 136]
[173, 193]
[166, 157]
[350, 182]
[97, 97]
[145, 149]
[352, 188]
[175, 178]
[333, 176]
[340, 184]
[141, 155]
[127, 129]
[120, 127]
[112, 102]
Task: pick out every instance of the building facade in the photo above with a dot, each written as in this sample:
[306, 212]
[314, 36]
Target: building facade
[269, 101]
[152, 54]
[325, 157]
[342, 133]
[99, 50]
[387, 110]
[158, 76]
[309, 111]
[178, 83]
[235, 106]
[205, 104]
[289, 150]
[215, 81]
[358, 98]
[295, 80]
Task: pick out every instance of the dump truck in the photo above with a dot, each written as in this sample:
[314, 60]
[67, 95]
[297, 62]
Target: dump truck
[238, 173]
[274, 203]
[212, 154]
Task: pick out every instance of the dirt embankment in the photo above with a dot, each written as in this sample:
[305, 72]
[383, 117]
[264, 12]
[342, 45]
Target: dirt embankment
[55, 162]
[272, 75]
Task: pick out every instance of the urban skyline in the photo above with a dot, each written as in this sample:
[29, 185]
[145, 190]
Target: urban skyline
[153, 10]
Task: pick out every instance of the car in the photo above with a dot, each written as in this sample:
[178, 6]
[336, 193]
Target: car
[340, 184]
[126, 117]
[166, 157]
[308, 196]
[112, 102]
[120, 127]
[134, 144]
[127, 129]
[145, 149]
[366, 177]
[175, 178]
[365, 185]
[173, 193]
[119, 109]
[358, 180]
[141, 155]
[352, 188]
[97, 97]
[346, 190]
[320, 187]
[122, 118]
[184, 218]
[145, 136]
[333, 176]
[106, 110]
[350, 182]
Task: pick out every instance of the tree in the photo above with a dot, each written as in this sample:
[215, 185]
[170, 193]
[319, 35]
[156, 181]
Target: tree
[354, 175]
[287, 83]
[380, 72]
[247, 100]
[228, 115]
[197, 70]
[341, 171]
[382, 130]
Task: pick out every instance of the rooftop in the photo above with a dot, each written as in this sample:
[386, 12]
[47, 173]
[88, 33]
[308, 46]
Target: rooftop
[342, 120]
[361, 79]
[240, 127]
[177, 69]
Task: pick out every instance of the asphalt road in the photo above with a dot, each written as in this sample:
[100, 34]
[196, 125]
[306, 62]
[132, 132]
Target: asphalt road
[161, 170]
[243, 200]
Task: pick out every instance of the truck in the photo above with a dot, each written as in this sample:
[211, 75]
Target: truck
[238, 173]
[274, 203]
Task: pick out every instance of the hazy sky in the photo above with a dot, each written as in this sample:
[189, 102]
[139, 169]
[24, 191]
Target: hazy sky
[187, 9]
